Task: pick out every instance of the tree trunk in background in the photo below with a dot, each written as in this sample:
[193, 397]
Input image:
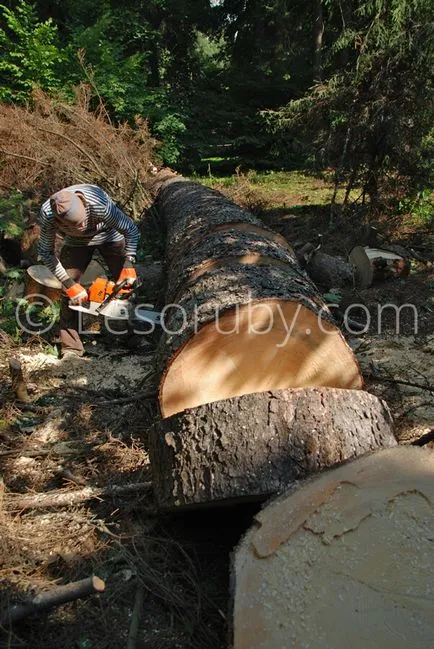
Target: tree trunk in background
[245, 317]
[250, 447]
[318, 38]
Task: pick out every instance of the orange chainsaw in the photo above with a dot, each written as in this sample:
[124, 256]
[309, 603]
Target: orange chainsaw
[106, 298]
[113, 301]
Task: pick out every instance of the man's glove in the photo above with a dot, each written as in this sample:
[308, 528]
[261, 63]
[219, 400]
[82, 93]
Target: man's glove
[128, 273]
[76, 293]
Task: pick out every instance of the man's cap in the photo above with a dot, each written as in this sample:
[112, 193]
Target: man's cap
[67, 206]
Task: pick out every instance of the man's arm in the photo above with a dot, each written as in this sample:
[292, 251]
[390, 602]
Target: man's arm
[116, 219]
[45, 248]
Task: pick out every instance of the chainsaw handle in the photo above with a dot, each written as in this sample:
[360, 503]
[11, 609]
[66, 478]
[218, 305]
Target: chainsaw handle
[116, 289]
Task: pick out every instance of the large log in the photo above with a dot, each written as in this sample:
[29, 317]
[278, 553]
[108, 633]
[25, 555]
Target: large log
[246, 317]
[250, 447]
[344, 560]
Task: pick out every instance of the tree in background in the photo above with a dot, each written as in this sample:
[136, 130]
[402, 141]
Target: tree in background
[30, 54]
[342, 85]
[369, 117]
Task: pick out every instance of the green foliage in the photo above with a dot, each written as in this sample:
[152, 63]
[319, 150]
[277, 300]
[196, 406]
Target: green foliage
[369, 119]
[12, 215]
[168, 129]
[29, 53]
[419, 208]
[120, 79]
[233, 78]
[8, 321]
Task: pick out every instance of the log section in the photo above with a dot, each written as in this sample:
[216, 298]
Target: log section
[246, 318]
[252, 446]
[344, 560]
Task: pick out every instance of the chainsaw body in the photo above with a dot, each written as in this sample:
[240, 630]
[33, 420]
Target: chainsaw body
[112, 301]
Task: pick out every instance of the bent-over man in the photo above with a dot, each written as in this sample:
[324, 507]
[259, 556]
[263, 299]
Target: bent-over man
[89, 220]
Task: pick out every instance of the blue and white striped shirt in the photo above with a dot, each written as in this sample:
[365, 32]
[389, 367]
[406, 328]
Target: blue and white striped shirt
[105, 223]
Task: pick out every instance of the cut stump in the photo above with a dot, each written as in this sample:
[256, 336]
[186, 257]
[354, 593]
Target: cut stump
[345, 560]
[249, 447]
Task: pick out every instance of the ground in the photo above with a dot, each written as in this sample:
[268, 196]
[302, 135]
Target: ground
[87, 425]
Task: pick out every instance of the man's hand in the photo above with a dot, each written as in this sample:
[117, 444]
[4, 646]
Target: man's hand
[128, 273]
[77, 293]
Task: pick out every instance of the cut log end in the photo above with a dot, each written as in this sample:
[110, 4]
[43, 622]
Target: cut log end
[266, 345]
[345, 560]
[98, 584]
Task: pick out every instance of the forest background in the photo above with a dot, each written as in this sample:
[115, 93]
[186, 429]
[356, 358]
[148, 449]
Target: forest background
[224, 85]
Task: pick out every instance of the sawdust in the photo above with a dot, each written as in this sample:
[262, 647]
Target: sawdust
[107, 373]
[385, 362]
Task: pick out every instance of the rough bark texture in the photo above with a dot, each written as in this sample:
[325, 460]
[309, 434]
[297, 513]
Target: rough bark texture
[222, 289]
[221, 257]
[229, 246]
[330, 272]
[253, 446]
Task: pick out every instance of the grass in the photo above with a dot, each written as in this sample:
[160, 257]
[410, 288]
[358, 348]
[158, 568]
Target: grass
[279, 188]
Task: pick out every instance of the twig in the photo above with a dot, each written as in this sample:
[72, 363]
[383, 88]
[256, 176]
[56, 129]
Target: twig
[135, 618]
[54, 597]
[380, 379]
[67, 475]
[135, 397]
[25, 157]
[77, 146]
[62, 498]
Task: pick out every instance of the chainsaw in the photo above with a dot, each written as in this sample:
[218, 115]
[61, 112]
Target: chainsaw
[106, 298]
[113, 301]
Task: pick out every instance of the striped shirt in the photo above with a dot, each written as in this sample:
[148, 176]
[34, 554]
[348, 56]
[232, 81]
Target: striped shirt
[105, 223]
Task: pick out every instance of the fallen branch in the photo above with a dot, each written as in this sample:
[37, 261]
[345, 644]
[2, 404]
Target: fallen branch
[54, 597]
[135, 618]
[24, 157]
[62, 498]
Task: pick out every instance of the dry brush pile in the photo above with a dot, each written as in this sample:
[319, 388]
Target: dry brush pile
[54, 144]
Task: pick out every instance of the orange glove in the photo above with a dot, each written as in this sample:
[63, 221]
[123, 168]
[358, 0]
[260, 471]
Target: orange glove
[128, 272]
[77, 293]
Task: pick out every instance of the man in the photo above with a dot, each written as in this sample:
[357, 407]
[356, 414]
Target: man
[89, 220]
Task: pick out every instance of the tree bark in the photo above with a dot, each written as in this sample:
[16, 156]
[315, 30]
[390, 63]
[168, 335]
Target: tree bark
[241, 315]
[249, 447]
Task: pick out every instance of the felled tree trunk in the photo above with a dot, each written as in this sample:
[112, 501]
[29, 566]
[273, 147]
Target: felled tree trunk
[345, 559]
[250, 447]
[244, 317]
[330, 272]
